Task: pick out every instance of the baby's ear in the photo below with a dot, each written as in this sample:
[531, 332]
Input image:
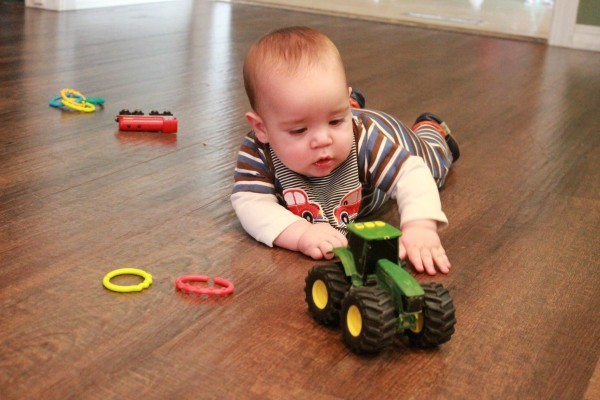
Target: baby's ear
[258, 126]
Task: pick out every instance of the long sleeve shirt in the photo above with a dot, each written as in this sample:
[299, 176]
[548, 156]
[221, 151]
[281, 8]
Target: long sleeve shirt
[268, 197]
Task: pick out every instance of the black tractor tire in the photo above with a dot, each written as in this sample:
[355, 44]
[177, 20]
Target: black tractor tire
[438, 318]
[368, 319]
[326, 286]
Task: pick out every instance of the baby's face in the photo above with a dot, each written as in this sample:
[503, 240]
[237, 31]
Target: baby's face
[307, 119]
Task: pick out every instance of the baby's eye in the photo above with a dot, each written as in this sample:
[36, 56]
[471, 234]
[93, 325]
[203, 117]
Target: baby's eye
[297, 131]
[336, 122]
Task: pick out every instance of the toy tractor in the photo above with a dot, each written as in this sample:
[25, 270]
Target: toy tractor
[374, 297]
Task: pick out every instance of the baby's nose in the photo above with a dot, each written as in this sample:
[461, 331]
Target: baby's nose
[321, 138]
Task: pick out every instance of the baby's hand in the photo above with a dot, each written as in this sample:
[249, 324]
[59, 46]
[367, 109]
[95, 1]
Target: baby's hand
[421, 243]
[315, 241]
[318, 240]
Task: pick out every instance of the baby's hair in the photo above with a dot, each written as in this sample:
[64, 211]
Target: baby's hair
[286, 50]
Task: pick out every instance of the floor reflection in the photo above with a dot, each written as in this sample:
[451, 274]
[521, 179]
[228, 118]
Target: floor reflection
[520, 18]
[147, 138]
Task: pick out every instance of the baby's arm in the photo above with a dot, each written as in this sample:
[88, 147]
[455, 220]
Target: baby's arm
[272, 224]
[420, 215]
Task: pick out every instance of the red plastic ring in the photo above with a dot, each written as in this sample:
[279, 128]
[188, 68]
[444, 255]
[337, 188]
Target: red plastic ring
[183, 284]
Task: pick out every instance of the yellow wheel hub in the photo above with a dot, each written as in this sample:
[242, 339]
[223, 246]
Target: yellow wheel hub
[354, 321]
[320, 294]
[419, 325]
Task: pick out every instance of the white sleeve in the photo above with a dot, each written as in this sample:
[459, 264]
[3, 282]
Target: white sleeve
[417, 194]
[262, 216]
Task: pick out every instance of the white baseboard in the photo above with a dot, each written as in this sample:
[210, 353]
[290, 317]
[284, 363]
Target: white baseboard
[67, 5]
[586, 37]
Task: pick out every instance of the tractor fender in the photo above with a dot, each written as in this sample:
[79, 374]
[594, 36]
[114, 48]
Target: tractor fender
[347, 261]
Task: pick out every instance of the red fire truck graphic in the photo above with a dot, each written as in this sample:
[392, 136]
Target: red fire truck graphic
[298, 203]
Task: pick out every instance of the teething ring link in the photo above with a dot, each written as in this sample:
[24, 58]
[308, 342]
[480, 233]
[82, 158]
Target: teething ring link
[183, 284]
[73, 99]
[68, 94]
[131, 288]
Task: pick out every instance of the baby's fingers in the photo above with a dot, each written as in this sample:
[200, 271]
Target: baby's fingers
[423, 260]
[427, 261]
[441, 260]
[430, 258]
[314, 252]
[402, 253]
[414, 255]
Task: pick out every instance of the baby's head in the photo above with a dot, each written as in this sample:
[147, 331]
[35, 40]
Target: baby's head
[296, 85]
[287, 51]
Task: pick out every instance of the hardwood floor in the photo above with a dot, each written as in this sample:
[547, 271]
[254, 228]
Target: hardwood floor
[78, 199]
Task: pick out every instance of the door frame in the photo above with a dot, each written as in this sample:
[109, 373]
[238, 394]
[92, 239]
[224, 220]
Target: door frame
[565, 32]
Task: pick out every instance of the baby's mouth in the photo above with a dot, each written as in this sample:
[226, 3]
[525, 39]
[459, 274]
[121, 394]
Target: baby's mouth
[324, 162]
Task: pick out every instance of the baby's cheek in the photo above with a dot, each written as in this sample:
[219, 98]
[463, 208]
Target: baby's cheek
[346, 142]
[294, 158]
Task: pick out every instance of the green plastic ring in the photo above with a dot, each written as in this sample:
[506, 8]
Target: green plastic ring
[95, 100]
[131, 288]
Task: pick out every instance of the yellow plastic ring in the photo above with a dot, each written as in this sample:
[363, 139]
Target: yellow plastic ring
[70, 93]
[82, 106]
[72, 98]
[131, 288]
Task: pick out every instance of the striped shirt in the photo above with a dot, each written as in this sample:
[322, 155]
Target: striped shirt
[360, 185]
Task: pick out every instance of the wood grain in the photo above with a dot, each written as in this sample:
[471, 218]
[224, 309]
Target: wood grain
[78, 199]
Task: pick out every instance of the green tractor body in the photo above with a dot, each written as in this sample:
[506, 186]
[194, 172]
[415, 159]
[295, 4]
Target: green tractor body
[374, 297]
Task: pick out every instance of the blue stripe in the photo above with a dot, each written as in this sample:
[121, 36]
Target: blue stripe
[244, 158]
[247, 187]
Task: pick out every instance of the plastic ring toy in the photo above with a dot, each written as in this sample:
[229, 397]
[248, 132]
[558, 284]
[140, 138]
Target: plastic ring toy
[183, 284]
[66, 94]
[71, 93]
[95, 100]
[79, 106]
[131, 288]
[57, 102]
[73, 99]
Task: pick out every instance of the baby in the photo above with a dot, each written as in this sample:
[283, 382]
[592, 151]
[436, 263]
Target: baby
[312, 163]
